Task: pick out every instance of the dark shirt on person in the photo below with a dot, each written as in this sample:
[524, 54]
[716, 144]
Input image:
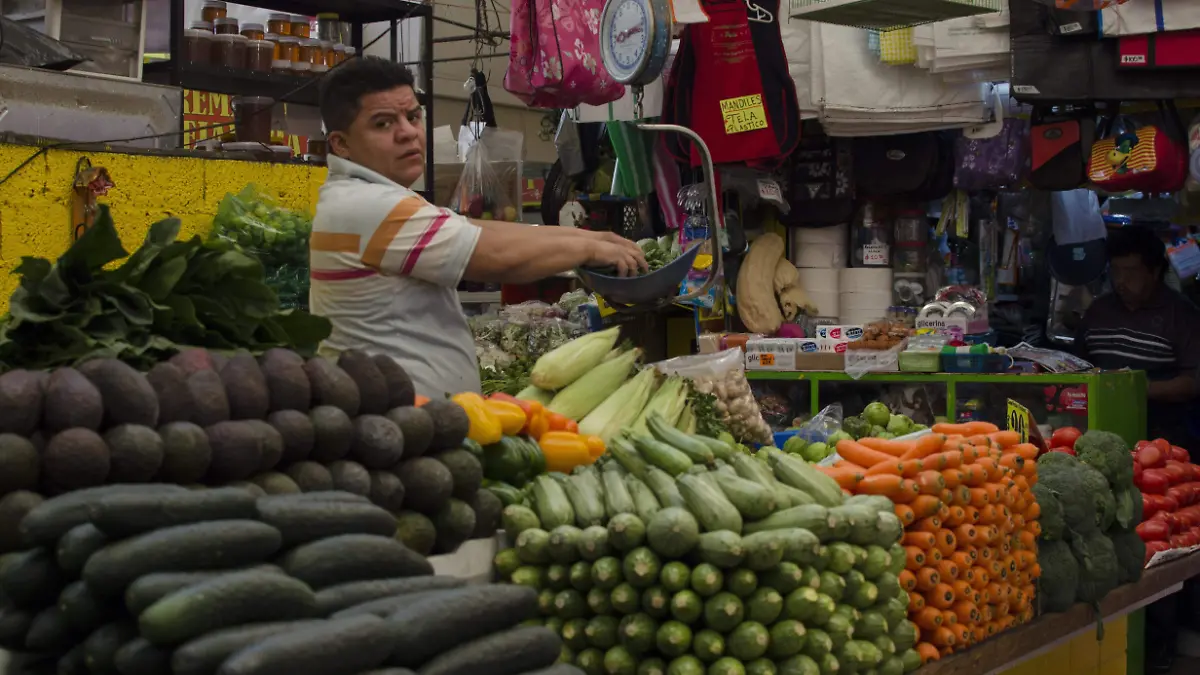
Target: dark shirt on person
[1162, 339]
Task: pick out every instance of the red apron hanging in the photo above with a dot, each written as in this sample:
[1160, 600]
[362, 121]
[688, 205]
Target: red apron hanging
[728, 107]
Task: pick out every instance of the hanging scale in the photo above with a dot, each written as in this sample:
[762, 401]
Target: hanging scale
[635, 39]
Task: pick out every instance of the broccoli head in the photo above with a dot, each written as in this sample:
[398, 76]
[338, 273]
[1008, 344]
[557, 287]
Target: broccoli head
[1097, 488]
[856, 427]
[1131, 555]
[1108, 454]
[1051, 518]
[1098, 567]
[1062, 474]
[1060, 574]
[1129, 507]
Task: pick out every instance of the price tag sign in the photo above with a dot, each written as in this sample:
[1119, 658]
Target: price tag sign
[769, 189]
[766, 360]
[875, 254]
[1019, 419]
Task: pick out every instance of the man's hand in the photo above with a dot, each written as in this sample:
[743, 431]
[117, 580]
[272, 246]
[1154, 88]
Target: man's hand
[608, 249]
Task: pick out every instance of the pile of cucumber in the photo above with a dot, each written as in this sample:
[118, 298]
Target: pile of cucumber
[672, 555]
[156, 579]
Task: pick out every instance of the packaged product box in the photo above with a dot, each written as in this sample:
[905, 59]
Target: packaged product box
[771, 353]
[840, 333]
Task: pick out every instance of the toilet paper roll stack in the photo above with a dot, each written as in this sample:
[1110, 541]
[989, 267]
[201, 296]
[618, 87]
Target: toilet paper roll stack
[824, 247]
[821, 286]
[865, 293]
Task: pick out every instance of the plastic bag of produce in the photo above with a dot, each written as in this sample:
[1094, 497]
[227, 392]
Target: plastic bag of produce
[278, 237]
[479, 193]
[724, 375]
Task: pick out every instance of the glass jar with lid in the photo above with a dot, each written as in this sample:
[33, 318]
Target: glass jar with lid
[302, 63]
[229, 51]
[260, 55]
[225, 26]
[329, 27]
[254, 31]
[301, 28]
[279, 24]
[872, 238]
[198, 46]
[316, 54]
[337, 55]
[205, 26]
[285, 52]
[212, 10]
[350, 52]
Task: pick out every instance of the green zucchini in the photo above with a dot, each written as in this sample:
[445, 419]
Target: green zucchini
[812, 517]
[752, 469]
[664, 488]
[507, 494]
[663, 456]
[586, 500]
[753, 500]
[617, 498]
[764, 550]
[645, 504]
[802, 547]
[689, 445]
[624, 452]
[551, 503]
[801, 475]
[709, 505]
[721, 548]
[719, 448]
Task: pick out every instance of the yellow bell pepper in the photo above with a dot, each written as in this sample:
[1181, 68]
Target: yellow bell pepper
[564, 451]
[485, 428]
[512, 419]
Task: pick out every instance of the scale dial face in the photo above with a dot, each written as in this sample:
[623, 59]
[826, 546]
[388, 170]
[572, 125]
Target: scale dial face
[632, 44]
[629, 34]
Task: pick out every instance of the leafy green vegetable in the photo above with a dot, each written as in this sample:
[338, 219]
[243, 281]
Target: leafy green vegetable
[167, 295]
[509, 378]
[708, 420]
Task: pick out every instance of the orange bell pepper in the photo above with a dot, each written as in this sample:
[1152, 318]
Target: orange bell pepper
[485, 428]
[562, 423]
[538, 426]
[532, 410]
[420, 400]
[564, 451]
[512, 419]
[595, 446]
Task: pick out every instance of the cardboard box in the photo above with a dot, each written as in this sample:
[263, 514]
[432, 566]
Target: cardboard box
[771, 354]
[840, 333]
[821, 361]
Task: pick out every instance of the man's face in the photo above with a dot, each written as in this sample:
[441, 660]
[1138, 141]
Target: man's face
[1134, 283]
[387, 136]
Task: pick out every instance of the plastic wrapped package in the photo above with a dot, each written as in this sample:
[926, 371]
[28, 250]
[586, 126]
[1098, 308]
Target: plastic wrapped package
[724, 375]
[254, 221]
[480, 192]
[823, 425]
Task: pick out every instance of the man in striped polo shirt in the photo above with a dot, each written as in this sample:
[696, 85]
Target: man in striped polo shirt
[385, 263]
[1145, 325]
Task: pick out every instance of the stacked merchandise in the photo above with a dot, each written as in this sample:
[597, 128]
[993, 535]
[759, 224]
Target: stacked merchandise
[866, 294]
[154, 578]
[964, 494]
[677, 553]
[819, 253]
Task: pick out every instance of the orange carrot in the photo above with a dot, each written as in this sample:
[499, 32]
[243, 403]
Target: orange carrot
[927, 579]
[962, 590]
[846, 479]
[914, 558]
[979, 497]
[905, 513]
[925, 445]
[948, 570]
[893, 466]
[895, 488]
[942, 637]
[957, 516]
[928, 618]
[963, 560]
[1027, 451]
[923, 540]
[953, 477]
[925, 506]
[908, 580]
[966, 428]
[930, 482]
[887, 445]
[861, 454]
[947, 543]
[928, 652]
[1005, 438]
[950, 459]
[916, 602]
[930, 524]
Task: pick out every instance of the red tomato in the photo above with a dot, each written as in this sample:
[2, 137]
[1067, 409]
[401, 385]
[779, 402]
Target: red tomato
[1150, 506]
[1154, 482]
[1064, 437]
[1162, 444]
[1177, 541]
[1188, 519]
[1168, 504]
[1150, 457]
[1154, 530]
[1175, 472]
[1179, 454]
[1065, 449]
[1153, 547]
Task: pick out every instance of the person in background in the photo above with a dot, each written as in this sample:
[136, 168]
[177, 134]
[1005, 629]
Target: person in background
[385, 263]
[1145, 325]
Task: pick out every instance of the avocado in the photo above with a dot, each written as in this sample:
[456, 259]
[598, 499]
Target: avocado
[487, 507]
[75, 458]
[246, 388]
[372, 387]
[450, 424]
[186, 453]
[352, 557]
[350, 477]
[19, 464]
[21, 401]
[193, 360]
[174, 398]
[466, 470]
[208, 395]
[387, 490]
[14, 626]
[71, 400]
[400, 386]
[128, 396]
[136, 452]
[455, 524]
[427, 484]
[236, 450]
[49, 632]
[13, 508]
[271, 442]
[332, 386]
[74, 662]
[101, 646]
[378, 443]
[310, 476]
[296, 430]
[333, 432]
[140, 657]
[287, 382]
[416, 426]
[275, 483]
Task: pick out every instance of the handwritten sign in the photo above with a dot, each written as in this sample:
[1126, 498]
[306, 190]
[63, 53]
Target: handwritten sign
[744, 113]
[1019, 419]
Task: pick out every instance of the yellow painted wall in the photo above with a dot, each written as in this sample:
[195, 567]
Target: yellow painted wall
[1084, 655]
[35, 204]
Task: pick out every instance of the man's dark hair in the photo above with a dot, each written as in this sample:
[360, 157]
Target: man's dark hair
[1141, 241]
[343, 88]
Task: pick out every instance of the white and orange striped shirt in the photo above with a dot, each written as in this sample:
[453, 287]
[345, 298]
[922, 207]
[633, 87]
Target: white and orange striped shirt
[384, 265]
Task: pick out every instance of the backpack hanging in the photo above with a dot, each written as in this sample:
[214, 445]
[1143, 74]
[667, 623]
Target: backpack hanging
[554, 57]
[1142, 158]
[1059, 147]
[820, 185]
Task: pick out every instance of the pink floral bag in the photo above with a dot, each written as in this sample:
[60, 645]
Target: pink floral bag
[554, 60]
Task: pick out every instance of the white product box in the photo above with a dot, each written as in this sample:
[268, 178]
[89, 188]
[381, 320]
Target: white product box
[832, 346]
[771, 354]
[840, 333]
